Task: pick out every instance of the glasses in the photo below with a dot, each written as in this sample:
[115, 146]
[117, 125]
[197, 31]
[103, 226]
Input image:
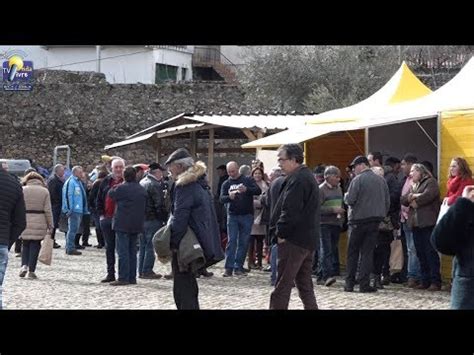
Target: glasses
[282, 159]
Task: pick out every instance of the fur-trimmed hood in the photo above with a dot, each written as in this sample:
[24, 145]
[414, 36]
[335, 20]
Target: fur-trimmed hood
[192, 174]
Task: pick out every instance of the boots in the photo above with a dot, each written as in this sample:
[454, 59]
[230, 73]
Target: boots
[378, 282]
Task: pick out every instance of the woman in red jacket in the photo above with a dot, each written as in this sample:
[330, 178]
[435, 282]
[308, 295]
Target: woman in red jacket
[460, 176]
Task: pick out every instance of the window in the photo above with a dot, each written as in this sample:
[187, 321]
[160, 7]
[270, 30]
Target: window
[165, 73]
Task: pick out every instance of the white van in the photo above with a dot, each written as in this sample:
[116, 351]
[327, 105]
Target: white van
[16, 166]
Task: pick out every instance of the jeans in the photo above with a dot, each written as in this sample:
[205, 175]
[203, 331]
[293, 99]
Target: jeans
[29, 254]
[238, 231]
[127, 256]
[414, 271]
[274, 264]
[328, 248]
[74, 222]
[3, 268]
[146, 255]
[294, 268]
[109, 237]
[429, 258]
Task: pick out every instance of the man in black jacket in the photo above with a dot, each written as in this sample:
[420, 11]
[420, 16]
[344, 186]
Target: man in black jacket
[295, 226]
[12, 218]
[55, 187]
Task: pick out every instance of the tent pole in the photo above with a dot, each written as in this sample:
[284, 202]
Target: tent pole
[426, 133]
[366, 141]
[438, 150]
[210, 160]
[157, 150]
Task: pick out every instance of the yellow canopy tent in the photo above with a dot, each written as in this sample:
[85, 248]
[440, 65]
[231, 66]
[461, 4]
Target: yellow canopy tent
[344, 127]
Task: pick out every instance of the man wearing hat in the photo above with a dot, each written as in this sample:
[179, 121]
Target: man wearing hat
[191, 206]
[155, 217]
[368, 199]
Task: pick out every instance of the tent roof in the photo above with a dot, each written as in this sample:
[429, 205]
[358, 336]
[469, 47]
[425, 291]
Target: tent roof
[403, 86]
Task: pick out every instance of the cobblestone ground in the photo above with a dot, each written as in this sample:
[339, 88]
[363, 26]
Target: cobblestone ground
[73, 282]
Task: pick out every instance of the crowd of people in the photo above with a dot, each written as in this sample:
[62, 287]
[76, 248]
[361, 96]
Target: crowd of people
[287, 223]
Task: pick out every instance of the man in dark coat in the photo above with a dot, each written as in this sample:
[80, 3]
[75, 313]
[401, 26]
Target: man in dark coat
[191, 206]
[295, 226]
[12, 218]
[55, 187]
[128, 222]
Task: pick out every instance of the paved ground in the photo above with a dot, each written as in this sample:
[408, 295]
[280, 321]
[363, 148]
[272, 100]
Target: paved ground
[72, 282]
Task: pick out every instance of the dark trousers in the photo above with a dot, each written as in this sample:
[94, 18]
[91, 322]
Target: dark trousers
[29, 254]
[56, 209]
[98, 230]
[294, 268]
[18, 244]
[109, 237]
[382, 254]
[427, 255]
[256, 241]
[362, 241]
[185, 287]
[328, 251]
[86, 230]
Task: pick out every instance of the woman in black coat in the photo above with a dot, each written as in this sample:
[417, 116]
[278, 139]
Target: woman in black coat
[454, 235]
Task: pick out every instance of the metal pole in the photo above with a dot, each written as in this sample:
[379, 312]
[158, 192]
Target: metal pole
[97, 48]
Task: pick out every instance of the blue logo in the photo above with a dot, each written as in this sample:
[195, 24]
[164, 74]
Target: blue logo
[17, 73]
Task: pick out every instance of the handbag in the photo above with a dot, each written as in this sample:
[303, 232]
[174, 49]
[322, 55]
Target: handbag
[46, 252]
[396, 256]
[442, 211]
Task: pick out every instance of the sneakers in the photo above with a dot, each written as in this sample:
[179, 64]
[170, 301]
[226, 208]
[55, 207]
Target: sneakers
[73, 252]
[151, 276]
[330, 281]
[32, 275]
[23, 271]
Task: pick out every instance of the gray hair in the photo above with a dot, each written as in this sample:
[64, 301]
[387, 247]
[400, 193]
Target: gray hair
[117, 159]
[245, 170]
[276, 171]
[332, 170]
[422, 169]
[75, 169]
[57, 167]
[185, 162]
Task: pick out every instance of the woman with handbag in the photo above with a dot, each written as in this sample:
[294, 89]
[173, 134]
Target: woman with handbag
[259, 227]
[39, 220]
[423, 202]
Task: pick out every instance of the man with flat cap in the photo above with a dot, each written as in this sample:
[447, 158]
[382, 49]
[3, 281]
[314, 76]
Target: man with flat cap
[155, 217]
[191, 206]
[368, 199]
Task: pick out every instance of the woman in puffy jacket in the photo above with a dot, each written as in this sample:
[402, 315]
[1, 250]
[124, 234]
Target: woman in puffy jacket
[39, 220]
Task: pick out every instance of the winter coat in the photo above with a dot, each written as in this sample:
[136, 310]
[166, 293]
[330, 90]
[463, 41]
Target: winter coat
[55, 187]
[74, 196]
[38, 210]
[155, 201]
[296, 216]
[426, 213]
[12, 209]
[130, 199]
[454, 235]
[456, 186]
[192, 206]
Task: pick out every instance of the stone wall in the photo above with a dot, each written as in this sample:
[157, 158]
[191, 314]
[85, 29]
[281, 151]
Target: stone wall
[82, 110]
